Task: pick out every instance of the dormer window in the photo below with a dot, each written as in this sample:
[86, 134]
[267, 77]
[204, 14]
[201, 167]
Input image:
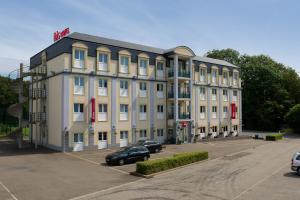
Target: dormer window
[103, 62]
[214, 76]
[235, 78]
[225, 78]
[79, 59]
[143, 65]
[124, 64]
[160, 69]
[202, 74]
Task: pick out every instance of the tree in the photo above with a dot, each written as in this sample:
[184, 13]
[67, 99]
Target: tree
[270, 89]
[293, 118]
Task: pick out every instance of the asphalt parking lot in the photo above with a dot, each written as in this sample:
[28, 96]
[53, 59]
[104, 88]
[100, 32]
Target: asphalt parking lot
[46, 174]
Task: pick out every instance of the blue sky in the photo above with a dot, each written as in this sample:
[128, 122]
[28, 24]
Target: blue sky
[270, 27]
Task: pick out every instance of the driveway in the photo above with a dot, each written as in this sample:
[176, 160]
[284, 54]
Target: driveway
[258, 173]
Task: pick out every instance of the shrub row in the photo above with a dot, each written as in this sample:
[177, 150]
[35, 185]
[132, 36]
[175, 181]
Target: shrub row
[154, 166]
[274, 137]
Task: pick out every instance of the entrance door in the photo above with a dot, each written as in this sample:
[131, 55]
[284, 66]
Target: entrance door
[78, 142]
[123, 138]
[102, 140]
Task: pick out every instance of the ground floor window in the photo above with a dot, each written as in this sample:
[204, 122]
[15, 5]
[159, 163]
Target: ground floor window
[78, 137]
[214, 129]
[225, 128]
[235, 127]
[143, 133]
[102, 136]
[123, 134]
[160, 132]
[202, 129]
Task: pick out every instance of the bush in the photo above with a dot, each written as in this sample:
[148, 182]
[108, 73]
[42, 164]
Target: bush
[293, 118]
[274, 137]
[162, 164]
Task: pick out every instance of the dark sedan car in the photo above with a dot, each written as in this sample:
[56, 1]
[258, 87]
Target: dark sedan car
[152, 146]
[128, 155]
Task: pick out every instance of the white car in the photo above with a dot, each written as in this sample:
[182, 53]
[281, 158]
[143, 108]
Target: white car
[296, 163]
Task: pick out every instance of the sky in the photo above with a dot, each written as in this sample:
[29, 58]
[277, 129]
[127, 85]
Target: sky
[270, 27]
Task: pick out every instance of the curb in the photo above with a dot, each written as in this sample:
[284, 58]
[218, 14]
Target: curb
[166, 171]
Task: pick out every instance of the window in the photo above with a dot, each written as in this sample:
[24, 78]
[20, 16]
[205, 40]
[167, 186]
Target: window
[143, 89]
[123, 135]
[214, 76]
[143, 112]
[225, 95]
[123, 88]
[160, 132]
[143, 67]
[160, 112]
[102, 114]
[202, 129]
[143, 133]
[214, 94]
[103, 62]
[78, 85]
[202, 93]
[214, 129]
[78, 137]
[78, 112]
[235, 78]
[235, 127]
[202, 74]
[235, 95]
[202, 112]
[123, 112]
[160, 69]
[225, 78]
[214, 112]
[102, 136]
[124, 64]
[225, 112]
[102, 87]
[225, 129]
[160, 90]
[79, 58]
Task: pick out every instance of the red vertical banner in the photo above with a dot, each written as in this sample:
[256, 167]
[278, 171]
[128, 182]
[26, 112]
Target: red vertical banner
[93, 109]
[233, 111]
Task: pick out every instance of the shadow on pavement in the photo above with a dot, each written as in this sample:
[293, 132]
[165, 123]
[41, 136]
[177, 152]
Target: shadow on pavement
[9, 147]
[291, 175]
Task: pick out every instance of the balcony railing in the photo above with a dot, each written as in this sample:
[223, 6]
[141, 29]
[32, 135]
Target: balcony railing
[181, 116]
[182, 95]
[185, 74]
[184, 116]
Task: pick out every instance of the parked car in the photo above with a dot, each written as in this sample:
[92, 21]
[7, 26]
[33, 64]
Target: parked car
[295, 166]
[128, 155]
[152, 146]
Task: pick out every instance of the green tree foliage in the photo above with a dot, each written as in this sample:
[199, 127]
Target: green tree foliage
[9, 97]
[293, 118]
[270, 89]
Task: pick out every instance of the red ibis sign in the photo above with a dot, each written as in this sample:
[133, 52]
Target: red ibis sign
[233, 111]
[93, 110]
[60, 34]
[184, 123]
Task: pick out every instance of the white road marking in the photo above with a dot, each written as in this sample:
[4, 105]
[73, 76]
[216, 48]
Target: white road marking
[259, 182]
[96, 163]
[7, 190]
[104, 190]
[87, 160]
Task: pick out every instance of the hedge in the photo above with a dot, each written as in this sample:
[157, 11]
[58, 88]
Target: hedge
[274, 137]
[162, 164]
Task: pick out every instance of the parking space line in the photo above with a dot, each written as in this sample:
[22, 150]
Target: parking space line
[96, 163]
[9, 192]
[90, 195]
[259, 182]
[84, 159]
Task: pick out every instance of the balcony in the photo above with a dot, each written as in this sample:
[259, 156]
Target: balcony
[184, 74]
[184, 116]
[184, 95]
